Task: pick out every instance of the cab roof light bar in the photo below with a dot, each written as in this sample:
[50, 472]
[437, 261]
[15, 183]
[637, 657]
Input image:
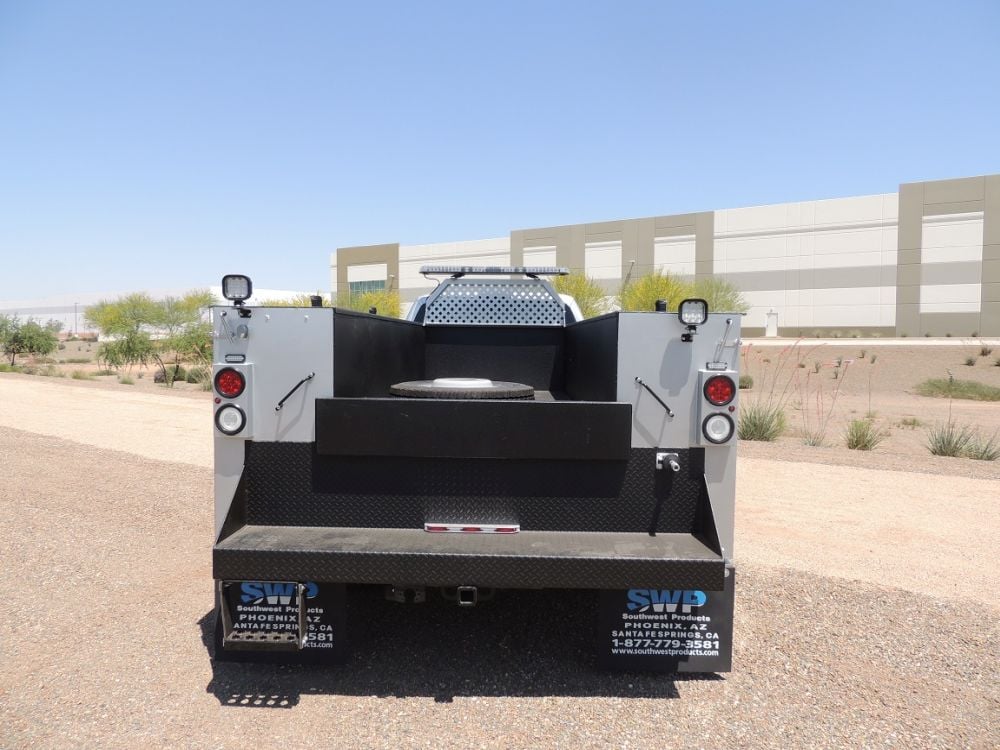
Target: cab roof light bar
[457, 272]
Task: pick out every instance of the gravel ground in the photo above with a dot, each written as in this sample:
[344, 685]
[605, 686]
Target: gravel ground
[866, 616]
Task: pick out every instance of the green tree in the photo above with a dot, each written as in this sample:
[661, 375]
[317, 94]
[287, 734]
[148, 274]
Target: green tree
[28, 337]
[134, 312]
[6, 328]
[127, 350]
[641, 294]
[588, 293]
[721, 295]
[141, 330]
[183, 332]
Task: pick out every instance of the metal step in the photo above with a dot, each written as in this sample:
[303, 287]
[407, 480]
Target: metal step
[264, 640]
[529, 559]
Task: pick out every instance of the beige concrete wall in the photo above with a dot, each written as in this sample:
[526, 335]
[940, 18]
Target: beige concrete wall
[878, 263]
[364, 255]
[947, 280]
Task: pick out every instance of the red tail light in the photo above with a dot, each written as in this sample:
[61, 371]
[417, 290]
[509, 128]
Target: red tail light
[229, 382]
[720, 390]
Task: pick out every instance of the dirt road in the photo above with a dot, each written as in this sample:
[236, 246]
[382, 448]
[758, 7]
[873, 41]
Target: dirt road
[867, 615]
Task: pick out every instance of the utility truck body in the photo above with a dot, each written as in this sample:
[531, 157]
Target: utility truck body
[494, 441]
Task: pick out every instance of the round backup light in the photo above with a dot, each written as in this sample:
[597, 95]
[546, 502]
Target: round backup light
[720, 389]
[230, 419]
[229, 382]
[718, 428]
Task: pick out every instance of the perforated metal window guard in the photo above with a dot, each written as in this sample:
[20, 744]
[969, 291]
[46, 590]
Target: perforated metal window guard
[500, 302]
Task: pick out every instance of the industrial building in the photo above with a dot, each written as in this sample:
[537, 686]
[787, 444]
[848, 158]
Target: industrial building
[921, 261]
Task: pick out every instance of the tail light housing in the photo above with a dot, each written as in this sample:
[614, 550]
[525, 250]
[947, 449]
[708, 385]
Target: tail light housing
[230, 382]
[716, 425]
[720, 390]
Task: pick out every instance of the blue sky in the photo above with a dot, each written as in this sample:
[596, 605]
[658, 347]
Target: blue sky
[157, 145]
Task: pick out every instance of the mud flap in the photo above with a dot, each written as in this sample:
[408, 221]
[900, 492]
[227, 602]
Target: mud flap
[667, 630]
[261, 619]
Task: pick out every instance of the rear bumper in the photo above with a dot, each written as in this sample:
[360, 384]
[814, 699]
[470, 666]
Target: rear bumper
[529, 559]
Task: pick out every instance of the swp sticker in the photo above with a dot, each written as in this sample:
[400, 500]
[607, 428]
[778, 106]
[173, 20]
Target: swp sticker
[266, 607]
[667, 630]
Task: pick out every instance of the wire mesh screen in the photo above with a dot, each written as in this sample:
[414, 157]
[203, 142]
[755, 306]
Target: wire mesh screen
[515, 302]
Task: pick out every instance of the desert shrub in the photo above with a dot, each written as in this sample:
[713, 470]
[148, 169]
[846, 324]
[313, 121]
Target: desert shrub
[997, 363]
[970, 361]
[642, 293]
[197, 375]
[949, 439]
[61, 347]
[105, 372]
[814, 438]
[816, 365]
[984, 449]
[126, 380]
[985, 351]
[299, 300]
[587, 292]
[175, 373]
[910, 423]
[81, 375]
[746, 382]
[966, 389]
[873, 358]
[721, 295]
[863, 435]
[761, 421]
[77, 361]
[385, 301]
[4, 367]
[817, 406]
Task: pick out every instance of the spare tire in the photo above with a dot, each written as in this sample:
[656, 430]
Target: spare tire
[462, 388]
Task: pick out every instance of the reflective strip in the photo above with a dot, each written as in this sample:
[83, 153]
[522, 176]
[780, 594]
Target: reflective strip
[461, 528]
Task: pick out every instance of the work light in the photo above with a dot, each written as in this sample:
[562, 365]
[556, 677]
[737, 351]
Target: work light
[236, 288]
[693, 312]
